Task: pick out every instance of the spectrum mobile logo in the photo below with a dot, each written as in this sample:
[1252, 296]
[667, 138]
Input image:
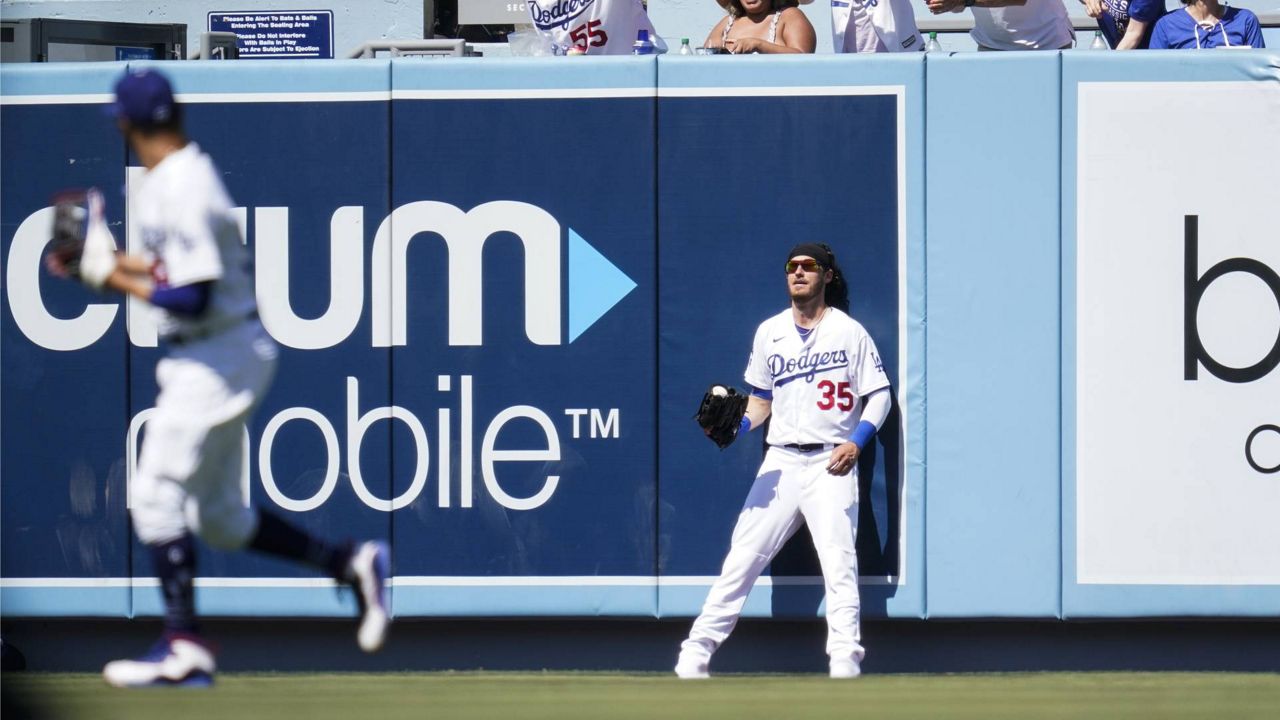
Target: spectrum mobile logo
[594, 284]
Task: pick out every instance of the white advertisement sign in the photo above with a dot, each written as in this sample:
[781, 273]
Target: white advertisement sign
[1178, 334]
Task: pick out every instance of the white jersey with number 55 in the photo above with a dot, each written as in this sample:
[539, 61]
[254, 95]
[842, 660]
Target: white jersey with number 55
[597, 27]
[817, 381]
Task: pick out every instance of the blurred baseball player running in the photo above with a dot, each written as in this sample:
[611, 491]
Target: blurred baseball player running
[196, 275]
[817, 372]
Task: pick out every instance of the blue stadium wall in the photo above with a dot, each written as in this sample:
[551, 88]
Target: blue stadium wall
[502, 286]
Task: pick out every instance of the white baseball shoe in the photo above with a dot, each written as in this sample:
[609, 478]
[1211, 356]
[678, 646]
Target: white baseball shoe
[367, 573]
[693, 661]
[692, 670]
[845, 669]
[177, 660]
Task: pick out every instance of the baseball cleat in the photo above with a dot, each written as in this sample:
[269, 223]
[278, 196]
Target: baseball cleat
[845, 669]
[693, 660]
[692, 670]
[177, 660]
[370, 566]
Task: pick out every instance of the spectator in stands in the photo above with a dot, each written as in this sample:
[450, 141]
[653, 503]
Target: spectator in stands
[595, 27]
[762, 26]
[1126, 24]
[861, 26]
[1014, 24]
[1207, 24]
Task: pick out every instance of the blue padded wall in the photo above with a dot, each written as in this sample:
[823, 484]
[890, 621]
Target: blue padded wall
[992, 225]
[502, 285]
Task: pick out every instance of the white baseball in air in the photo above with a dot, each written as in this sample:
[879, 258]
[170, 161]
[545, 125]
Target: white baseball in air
[719, 391]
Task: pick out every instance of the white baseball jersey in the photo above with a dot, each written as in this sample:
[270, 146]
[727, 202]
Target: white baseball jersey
[598, 27]
[874, 26]
[1038, 25]
[817, 381]
[184, 216]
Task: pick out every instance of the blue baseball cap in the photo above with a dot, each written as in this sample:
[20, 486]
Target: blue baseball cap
[144, 98]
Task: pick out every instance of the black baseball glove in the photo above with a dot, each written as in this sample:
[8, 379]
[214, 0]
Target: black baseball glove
[720, 414]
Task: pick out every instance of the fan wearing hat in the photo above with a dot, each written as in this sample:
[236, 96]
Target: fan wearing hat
[762, 26]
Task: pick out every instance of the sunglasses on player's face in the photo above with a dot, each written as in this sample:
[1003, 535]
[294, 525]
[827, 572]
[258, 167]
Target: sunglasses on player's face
[806, 265]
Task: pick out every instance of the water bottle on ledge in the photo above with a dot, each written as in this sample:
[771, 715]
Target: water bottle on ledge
[933, 45]
[643, 45]
[1099, 43]
[684, 47]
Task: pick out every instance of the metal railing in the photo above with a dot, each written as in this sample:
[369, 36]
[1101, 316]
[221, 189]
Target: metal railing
[410, 48]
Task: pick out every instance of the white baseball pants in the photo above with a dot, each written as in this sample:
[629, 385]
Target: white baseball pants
[193, 452]
[791, 487]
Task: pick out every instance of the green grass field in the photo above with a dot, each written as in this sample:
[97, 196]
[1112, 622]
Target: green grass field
[564, 696]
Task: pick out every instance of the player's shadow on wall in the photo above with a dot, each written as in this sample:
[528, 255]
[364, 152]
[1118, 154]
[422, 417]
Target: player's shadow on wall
[879, 527]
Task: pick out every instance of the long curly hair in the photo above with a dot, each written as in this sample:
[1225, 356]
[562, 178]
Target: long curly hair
[836, 294]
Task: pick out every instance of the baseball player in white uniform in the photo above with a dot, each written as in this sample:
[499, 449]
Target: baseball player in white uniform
[197, 276]
[816, 372]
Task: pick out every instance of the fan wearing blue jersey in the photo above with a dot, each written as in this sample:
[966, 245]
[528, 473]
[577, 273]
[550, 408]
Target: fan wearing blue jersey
[815, 373]
[1126, 24]
[1204, 24]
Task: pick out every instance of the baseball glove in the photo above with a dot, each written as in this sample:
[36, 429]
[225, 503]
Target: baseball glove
[81, 246]
[720, 414]
[70, 223]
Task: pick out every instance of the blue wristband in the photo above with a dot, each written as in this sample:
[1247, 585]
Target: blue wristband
[745, 425]
[187, 300]
[862, 434]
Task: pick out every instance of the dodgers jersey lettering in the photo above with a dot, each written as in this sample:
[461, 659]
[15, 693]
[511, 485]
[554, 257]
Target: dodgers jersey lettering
[597, 27]
[184, 216]
[818, 382]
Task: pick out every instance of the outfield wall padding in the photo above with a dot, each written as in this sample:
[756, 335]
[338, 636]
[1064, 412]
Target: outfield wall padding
[501, 286]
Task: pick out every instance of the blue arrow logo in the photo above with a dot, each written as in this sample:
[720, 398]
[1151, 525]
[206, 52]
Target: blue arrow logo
[595, 285]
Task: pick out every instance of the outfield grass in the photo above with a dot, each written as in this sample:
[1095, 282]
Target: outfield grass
[565, 696]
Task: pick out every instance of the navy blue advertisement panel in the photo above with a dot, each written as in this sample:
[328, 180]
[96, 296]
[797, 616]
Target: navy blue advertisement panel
[749, 166]
[63, 350]
[307, 160]
[521, 306]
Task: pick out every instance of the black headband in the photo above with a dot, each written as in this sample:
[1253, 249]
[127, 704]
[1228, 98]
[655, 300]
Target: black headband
[818, 252]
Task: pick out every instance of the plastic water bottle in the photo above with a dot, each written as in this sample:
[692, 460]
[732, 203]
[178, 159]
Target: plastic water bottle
[1099, 43]
[643, 45]
[684, 47]
[933, 45]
